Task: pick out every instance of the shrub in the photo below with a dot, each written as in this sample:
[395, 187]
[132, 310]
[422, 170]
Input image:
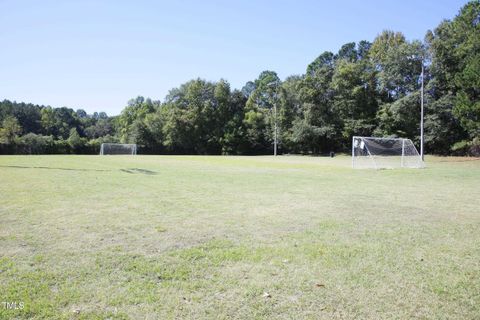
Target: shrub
[35, 144]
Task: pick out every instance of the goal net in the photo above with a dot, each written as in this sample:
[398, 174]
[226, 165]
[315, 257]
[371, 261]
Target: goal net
[384, 153]
[118, 148]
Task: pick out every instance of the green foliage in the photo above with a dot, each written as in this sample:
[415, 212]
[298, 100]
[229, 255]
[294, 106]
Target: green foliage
[388, 40]
[455, 65]
[130, 122]
[10, 130]
[442, 128]
[467, 107]
[468, 111]
[194, 117]
[32, 143]
[355, 100]
[400, 118]
[471, 148]
[74, 139]
[399, 63]
[260, 112]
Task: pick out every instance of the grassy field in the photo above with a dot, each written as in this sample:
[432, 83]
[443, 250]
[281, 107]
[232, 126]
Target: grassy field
[159, 237]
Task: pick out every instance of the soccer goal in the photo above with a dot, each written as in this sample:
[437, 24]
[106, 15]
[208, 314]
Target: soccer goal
[118, 148]
[384, 153]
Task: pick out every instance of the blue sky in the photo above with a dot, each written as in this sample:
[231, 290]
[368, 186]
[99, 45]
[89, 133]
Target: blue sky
[96, 55]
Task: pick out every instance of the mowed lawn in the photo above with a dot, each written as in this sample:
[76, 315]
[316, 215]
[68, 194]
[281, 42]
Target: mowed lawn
[160, 237]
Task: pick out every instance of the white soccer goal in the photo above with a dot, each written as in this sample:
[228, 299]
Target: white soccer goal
[118, 148]
[384, 153]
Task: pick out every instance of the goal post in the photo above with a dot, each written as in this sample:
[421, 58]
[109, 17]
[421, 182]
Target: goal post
[384, 153]
[118, 148]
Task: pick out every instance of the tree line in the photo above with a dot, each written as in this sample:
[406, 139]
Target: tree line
[366, 88]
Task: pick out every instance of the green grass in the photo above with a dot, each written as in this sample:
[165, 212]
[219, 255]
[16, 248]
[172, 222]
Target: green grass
[147, 237]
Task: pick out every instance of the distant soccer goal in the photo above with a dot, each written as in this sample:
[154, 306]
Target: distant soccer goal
[118, 148]
[384, 153]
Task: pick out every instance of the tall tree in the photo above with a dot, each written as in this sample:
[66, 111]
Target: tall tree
[132, 116]
[259, 112]
[318, 128]
[399, 65]
[455, 47]
[355, 96]
[9, 130]
[290, 109]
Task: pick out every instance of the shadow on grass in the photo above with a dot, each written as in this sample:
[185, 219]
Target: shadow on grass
[465, 159]
[129, 170]
[54, 168]
[138, 170]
